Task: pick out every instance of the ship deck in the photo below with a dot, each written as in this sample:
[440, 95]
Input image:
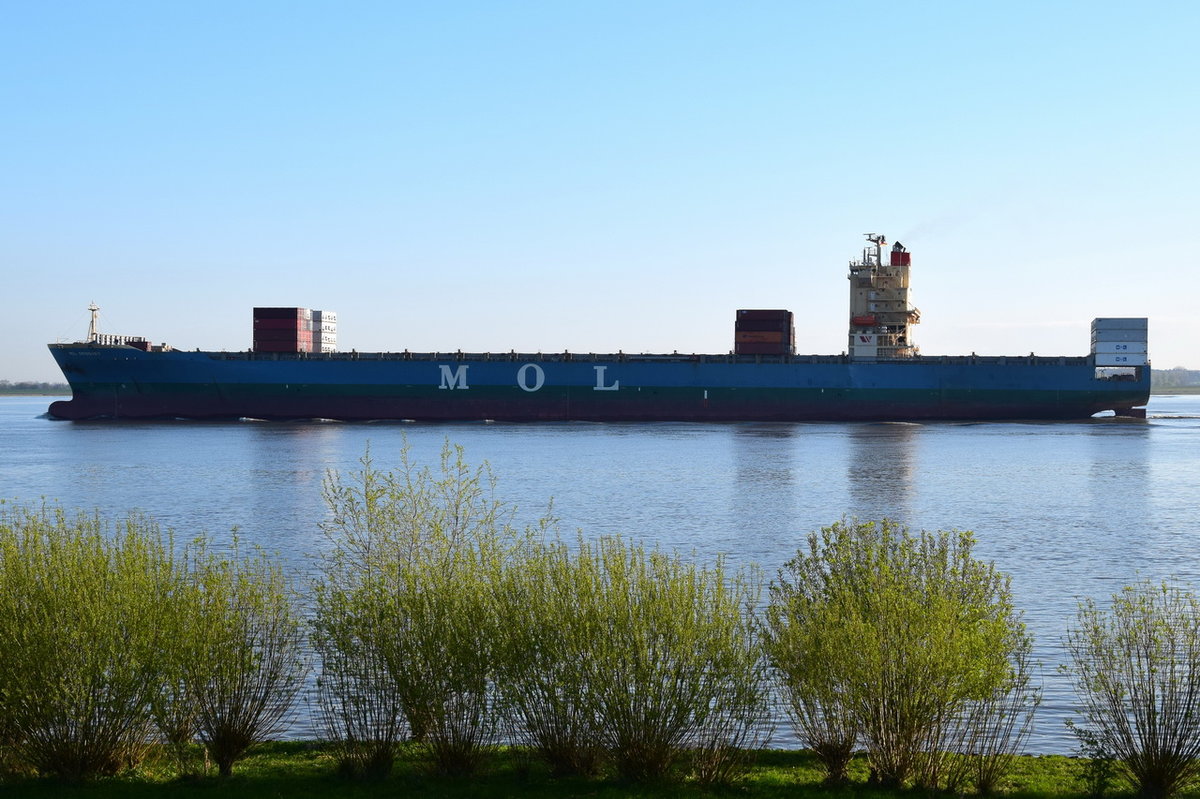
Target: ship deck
[675, 357]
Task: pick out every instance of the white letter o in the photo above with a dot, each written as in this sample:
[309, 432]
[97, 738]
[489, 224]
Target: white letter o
[522, 377]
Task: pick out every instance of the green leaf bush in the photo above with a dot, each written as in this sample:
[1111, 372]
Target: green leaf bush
[113, 641]
[406, 592]
[85, 615]
[605, 653]
[632, 656]
[902, 643]
[243, 646]
[1136, 666]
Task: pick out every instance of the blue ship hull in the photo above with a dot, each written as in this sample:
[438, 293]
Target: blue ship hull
[123, 382]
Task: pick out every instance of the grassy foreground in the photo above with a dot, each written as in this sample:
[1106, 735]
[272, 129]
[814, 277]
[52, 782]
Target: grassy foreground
[305, 770]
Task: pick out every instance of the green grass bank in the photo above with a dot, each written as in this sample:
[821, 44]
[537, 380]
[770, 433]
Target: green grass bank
[303, 770]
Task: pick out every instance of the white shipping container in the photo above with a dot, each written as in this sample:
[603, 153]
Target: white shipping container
[1118, 335]
[1114, 323]
[324, 320]
[1114, 359]
[324, 330]
[1119, 347]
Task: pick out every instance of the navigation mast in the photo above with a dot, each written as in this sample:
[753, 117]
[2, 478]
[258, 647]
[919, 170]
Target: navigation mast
[94, 327]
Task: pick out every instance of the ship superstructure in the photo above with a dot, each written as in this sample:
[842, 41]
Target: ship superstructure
[881, 315]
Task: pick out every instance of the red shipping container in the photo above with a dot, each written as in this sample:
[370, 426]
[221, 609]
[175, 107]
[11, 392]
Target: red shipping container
[279, 335]
[763, 324]
[756, 313]
[760, 348]
[280, 313]
[281, 346]
[278, 324]
[758, 336]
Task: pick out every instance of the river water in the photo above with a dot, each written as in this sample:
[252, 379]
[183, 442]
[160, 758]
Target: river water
[1068, 509]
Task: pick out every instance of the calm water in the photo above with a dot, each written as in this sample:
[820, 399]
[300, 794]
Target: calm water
[1068, 509]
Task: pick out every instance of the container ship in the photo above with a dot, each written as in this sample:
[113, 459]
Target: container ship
[295, 370]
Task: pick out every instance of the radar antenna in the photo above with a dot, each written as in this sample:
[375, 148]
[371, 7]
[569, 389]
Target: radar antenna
[880, 241]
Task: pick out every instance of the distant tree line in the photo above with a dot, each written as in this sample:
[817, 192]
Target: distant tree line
[1174, 378]
[32, 387]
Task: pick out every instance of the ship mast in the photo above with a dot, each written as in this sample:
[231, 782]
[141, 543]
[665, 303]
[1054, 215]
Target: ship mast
[880, 313]
[94, 327]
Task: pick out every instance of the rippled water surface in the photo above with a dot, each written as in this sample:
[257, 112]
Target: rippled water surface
[1069, 509]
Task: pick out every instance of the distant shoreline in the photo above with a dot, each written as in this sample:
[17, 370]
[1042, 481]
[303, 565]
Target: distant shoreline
[52, 390]
[35, 392]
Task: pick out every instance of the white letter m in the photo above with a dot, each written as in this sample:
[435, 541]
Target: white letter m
[455, 379]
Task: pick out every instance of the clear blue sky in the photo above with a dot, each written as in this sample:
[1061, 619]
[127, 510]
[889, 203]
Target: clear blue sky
[595, 176]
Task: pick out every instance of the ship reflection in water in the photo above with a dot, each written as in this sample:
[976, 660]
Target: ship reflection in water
[880, 469]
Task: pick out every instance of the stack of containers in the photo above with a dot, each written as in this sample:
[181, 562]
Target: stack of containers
[324, 328]
[1120, 341]
[764, 332]
[283, 330]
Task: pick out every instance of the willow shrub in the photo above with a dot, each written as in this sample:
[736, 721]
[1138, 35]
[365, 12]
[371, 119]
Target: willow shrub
[893, 641]
[415, 555]
[550, 635]
[358, 705]
[804, 646]
[994, 729]
[678, 666]
[86, 616]
[635, 656]
[438, 643]
[245, 656]
[1136, 667]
